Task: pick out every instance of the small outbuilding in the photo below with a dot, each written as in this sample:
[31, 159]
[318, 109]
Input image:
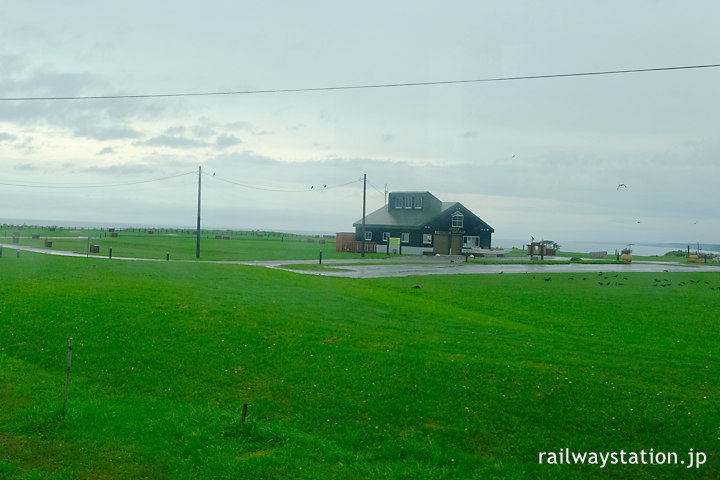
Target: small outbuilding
[419, 223]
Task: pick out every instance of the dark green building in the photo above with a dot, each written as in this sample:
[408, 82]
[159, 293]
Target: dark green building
[424, 224]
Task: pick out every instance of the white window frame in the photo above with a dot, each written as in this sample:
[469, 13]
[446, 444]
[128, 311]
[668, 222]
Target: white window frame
[386, 236]
[471, 241]
[408, 202]
[368, 236]
[427, 238]
[405, 237]
[457, 220]
[417, 202]
[398, 202]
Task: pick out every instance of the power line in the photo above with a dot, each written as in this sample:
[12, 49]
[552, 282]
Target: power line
[359, 87]
[106, 185]
[380, 192]
[270, 188]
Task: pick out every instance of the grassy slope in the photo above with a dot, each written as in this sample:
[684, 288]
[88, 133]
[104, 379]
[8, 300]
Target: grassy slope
[464, 377]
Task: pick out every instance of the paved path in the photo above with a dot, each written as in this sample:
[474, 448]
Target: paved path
[370, 270]
[415, 265]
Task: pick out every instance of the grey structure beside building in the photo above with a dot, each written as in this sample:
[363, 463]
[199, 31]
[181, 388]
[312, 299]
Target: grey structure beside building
[420, 223]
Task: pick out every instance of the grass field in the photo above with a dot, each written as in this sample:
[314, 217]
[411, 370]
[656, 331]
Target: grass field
[182, 244]
[467, 376]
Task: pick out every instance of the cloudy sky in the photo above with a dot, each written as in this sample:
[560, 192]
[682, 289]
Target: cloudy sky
[540, 157]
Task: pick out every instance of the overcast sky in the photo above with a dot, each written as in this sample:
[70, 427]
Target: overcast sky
[537, 157]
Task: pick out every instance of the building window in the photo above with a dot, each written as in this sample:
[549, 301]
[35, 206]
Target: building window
[398, 202]
[368, 236]
[471, 241]
[405, 237]
[417, 202]
[386, 236]
[408, 202]
[457, 220]
[427, 238]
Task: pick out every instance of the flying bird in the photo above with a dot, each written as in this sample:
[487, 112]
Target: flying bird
[621, 185]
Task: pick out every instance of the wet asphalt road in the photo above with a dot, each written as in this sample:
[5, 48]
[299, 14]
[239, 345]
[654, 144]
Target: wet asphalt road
[366, 269]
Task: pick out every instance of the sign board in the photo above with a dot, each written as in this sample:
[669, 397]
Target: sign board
[394, 245]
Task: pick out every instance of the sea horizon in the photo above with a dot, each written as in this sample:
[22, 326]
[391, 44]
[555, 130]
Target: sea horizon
[639, 247]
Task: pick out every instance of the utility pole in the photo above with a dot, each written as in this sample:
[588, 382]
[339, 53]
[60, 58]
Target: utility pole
[197, 246]
[386, 194]
[363, 224]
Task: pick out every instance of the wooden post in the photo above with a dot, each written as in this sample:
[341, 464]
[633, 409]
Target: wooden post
[320, 259]
[67, 377]
[244, 412]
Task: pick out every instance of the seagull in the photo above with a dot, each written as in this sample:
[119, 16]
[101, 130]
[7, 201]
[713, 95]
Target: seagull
[621, 185]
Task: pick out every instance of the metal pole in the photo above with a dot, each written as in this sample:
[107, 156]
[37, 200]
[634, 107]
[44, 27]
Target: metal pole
[197, 246]
[363, 224]
[67, 377]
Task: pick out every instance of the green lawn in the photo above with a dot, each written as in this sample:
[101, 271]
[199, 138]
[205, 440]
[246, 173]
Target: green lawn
[182, 244]
[467, 376]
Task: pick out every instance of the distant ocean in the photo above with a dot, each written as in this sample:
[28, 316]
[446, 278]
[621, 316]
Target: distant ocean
[640, 248]
[579, 246]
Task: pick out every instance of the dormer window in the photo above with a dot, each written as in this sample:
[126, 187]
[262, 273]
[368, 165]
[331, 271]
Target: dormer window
[417, 202]
[457, 220]
[408, 202]
[398, 202]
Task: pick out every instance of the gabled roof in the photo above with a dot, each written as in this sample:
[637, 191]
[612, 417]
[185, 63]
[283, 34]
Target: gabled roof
[398, 218]
[410, 218]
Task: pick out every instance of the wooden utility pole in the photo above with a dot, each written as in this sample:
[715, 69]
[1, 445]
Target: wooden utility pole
[197, 246]
[363, 224]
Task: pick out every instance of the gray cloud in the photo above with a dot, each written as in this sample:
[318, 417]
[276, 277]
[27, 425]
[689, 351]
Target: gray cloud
[203, 131]
[25, 167]
[121, 169]
[172, 142]
[106, 151]
[7, 137]
[95, 132]
[175, 130]
[225, 141]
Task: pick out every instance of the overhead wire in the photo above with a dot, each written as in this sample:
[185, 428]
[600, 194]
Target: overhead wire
[275, 188]
[379, 192]
[359, 87]
[100, 185]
